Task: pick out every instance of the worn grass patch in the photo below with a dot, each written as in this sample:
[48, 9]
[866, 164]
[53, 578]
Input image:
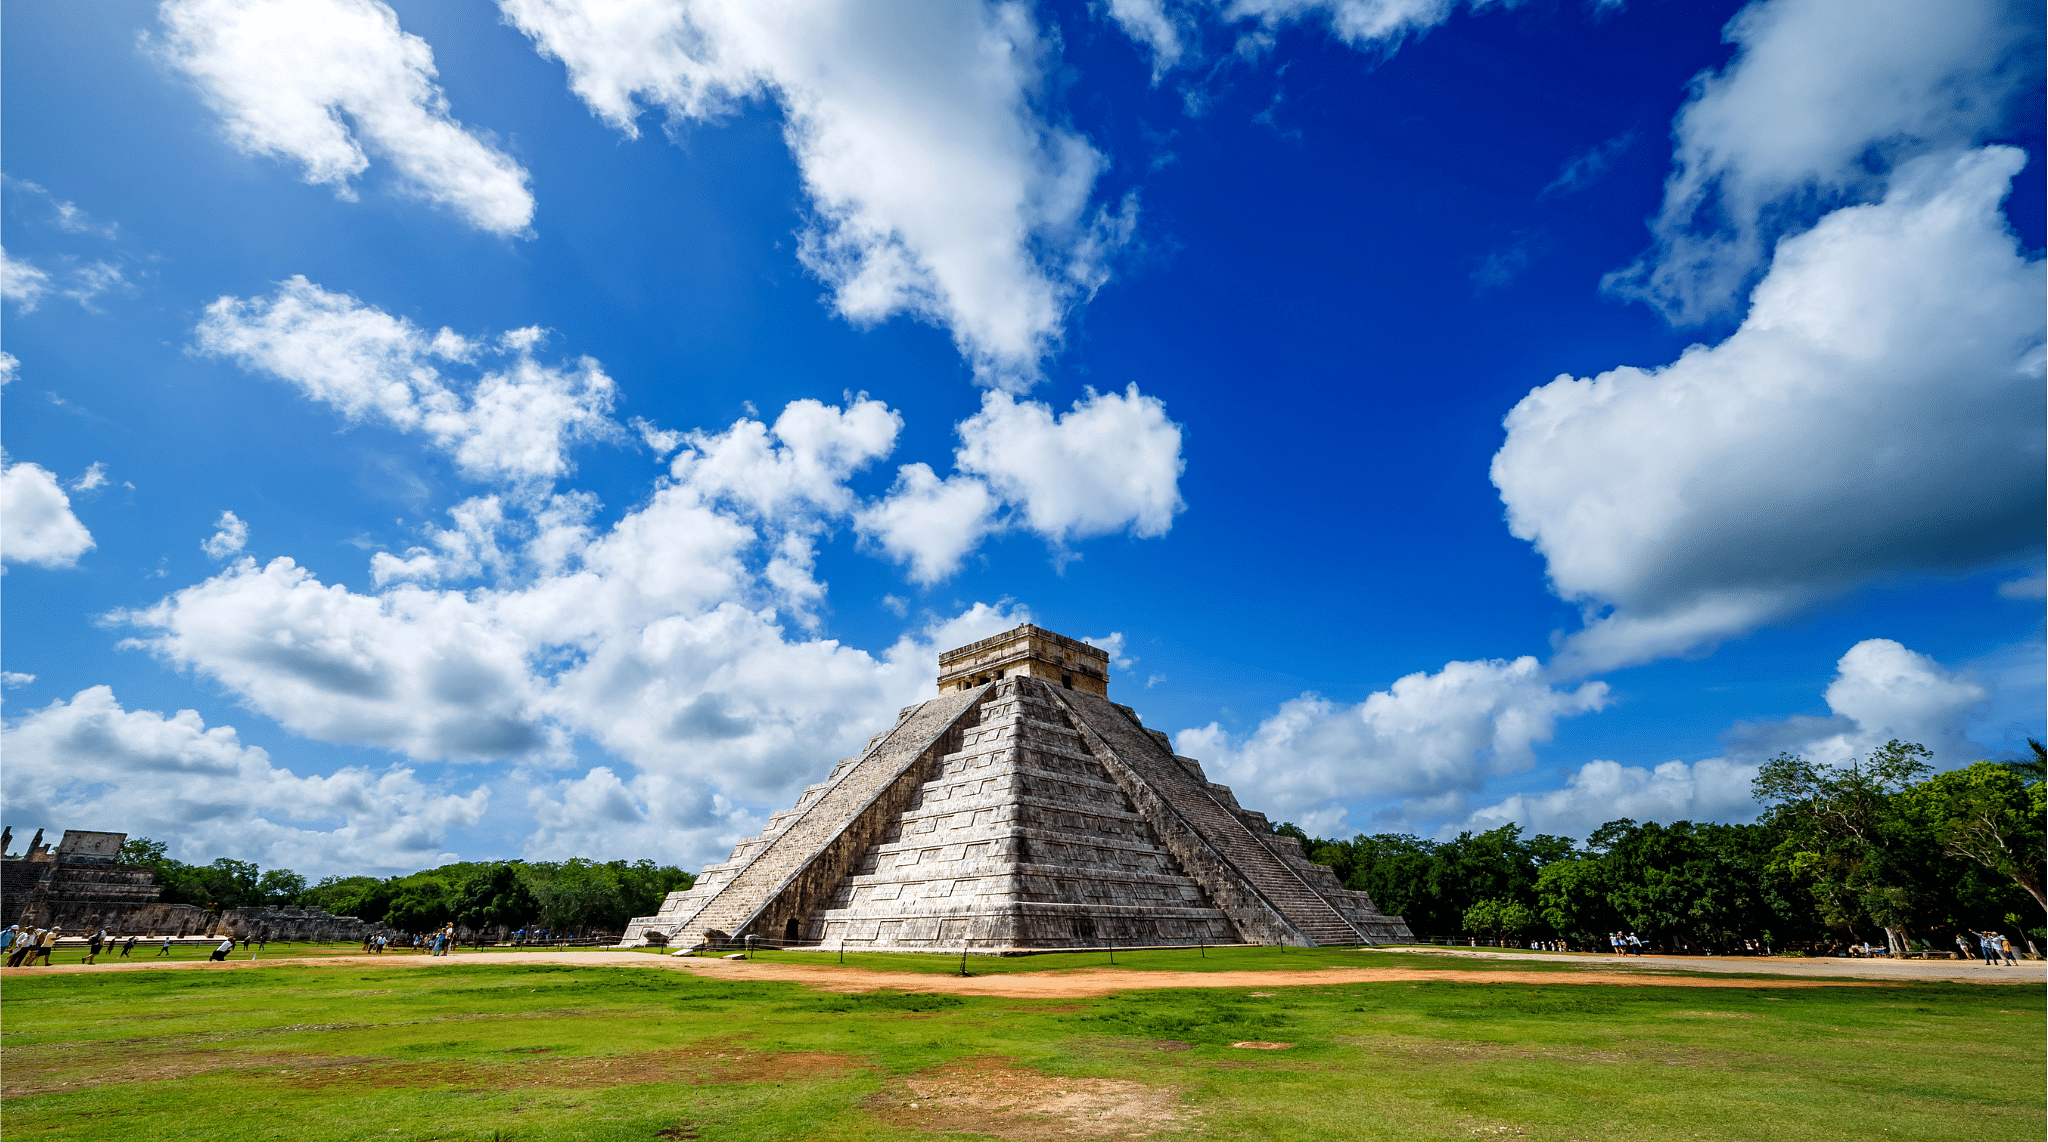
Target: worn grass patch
[467, 1049]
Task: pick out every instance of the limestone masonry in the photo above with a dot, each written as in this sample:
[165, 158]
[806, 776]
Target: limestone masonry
[1019, 810]
[82, 887]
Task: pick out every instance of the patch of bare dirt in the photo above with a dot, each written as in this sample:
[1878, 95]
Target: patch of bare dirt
[689, 1066]
[1438, 1050]
[994, 1096]
[27, 1076]
[1260, 1045]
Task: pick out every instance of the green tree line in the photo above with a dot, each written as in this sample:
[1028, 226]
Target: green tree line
[562, 896]
[1882, 850]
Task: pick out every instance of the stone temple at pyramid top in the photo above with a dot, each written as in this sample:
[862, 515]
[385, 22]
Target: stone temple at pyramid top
[1019, 810]
[1026, 652]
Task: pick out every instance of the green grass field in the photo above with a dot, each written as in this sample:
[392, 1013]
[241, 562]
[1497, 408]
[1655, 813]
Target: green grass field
[468, 1049]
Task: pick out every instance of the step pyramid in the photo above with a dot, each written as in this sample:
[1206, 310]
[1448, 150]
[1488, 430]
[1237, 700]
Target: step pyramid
[1019, 810]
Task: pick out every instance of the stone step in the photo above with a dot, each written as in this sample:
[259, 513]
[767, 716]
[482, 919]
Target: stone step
[822, 819]
[1300, 904]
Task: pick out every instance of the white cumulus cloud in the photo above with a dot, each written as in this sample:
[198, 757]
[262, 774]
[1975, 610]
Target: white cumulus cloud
[1111, 463]
[1881, 691]
[317, 80]
[1879, 411]
[206, 794]
[1429, 737]
[1822, 98]
[514, 423]
[229, 536]
[940, 186]
[929, 523]
[92, 479]
[36, 522]
[678, 639]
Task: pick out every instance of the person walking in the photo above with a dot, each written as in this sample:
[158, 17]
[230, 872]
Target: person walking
[2005, 949]
[166, 949]
[1963, 946]
[46, 946]
[129, 946]
[1987, 943]
[24, 939]
[93, 944]
[8, 937]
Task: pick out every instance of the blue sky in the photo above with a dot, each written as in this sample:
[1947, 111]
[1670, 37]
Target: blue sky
[536, 430]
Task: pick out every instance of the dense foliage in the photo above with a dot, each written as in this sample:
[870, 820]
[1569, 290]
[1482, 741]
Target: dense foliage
[562, 896]
[1875, 850]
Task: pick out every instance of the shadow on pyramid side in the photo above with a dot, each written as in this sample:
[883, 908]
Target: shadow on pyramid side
[1020, 810]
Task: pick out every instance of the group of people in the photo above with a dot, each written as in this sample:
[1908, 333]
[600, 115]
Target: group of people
[1625, 943]
[437, 944]
[1991, 945]
[21, 946]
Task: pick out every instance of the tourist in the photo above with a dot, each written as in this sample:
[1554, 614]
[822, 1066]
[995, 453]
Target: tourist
[2005, 949]
[7, 938]
[220, 953]
[93, 944]
[46, 945]
[1987, 942]
[129, 946]
[166, 949]
[23, 941]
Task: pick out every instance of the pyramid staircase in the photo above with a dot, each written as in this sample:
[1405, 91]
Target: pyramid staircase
[1016, 813]
[1119, 738]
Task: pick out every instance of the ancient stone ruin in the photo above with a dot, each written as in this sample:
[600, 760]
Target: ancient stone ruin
[82, 887]
[1019, 810]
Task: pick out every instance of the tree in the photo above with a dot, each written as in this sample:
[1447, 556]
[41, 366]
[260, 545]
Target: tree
[418, 907]
[1845, 835]
[1991, 815]
[495, 898]
[1498, 919]
[364, 897]
[140, 851]
[1679, 882]
[281, 886]
[643, 886]
[1572, 898]
[574, 894]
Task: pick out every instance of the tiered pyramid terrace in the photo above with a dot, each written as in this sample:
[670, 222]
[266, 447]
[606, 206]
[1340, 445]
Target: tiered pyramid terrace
[1019, 810]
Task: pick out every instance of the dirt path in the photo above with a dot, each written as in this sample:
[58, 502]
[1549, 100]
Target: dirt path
[1093, 982]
